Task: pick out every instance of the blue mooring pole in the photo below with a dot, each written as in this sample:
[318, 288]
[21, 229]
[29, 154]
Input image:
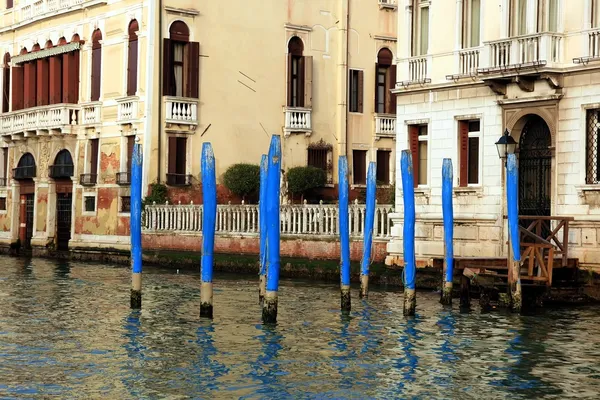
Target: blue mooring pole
[344, 233]
[512, 201]
[135, 226]
[269, 313]
[209, 200]
[448, 212]
[368, 230]
[410, 268]
[262, 220]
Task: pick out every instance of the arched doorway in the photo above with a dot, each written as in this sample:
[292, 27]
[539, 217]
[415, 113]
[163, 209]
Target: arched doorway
[61, 172]
[535, 165]
[24, 174]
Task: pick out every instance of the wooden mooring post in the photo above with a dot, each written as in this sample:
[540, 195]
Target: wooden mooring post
[368, 230]
[512, 200]
[135, 226]
[262, 220]
[345, 300]
[269, 311]
[209, 198]
[408, 190]
[448, 215]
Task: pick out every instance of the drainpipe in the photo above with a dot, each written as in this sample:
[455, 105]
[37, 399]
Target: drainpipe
[343, 80]
[149, 97]
[160, 89]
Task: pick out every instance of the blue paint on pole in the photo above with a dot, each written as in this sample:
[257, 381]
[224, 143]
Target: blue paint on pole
[273, 230]
[209, 199]
[368, 229]
[448, 213]
[512, 190]
[262, 215]
[409, 233]
[135, 226]
[344, 233]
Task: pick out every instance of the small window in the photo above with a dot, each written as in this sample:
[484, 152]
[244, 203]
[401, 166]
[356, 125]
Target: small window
[317, 158]
[420, 29]
[383, 167]
[355, 91]
[593, 147]
[471, 23]
[177, 162]
[125, 204]
[418, 142]
[359, 166]
[2, 203]
[89, 203]
[469, 144]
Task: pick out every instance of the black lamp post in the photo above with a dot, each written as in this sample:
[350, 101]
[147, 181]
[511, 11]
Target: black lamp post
[506, 145]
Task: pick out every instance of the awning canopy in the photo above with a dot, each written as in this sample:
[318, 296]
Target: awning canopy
[53, 51]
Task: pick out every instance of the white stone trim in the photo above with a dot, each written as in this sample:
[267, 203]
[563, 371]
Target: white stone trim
[85, 213]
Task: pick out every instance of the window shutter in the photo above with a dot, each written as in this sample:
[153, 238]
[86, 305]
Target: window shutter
[288, 76]
[172, 155]
[132, 63]
[130, 143]
[167, 67]
[390, 98]
[17, 88]
[30, 84]
[308, 71]
[43, 83]
[96, 71]
[94, 156]
[5, 89]
[360, 90]
[55, 77]
[181, 155]
[463, 148]
[413, 142]
[375, 88]
[301, 63]
[74, 77]
[193, 70]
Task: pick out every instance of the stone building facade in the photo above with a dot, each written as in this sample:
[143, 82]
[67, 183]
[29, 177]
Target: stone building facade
[533, 69]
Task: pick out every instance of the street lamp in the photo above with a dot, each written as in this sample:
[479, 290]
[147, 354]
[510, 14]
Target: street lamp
[506, 145]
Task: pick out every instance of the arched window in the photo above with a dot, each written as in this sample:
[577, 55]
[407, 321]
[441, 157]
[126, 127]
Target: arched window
[96, 64]
[296, 73]
[385, 80]
[132, 58]
[63, 165]
[5, 82]
[25, 168]
[181, 59]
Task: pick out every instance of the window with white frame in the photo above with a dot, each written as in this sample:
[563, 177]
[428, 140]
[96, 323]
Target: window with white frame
[469, 134]
[418, 138]
[518, 17]
[471, 23]
[420, 28]
[595, 13]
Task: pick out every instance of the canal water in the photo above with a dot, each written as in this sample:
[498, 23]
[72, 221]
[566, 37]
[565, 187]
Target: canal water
[66, 331]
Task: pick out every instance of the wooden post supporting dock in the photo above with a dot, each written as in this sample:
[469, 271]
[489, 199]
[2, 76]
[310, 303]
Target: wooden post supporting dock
[209, 199]
[262, 216]
[269, 312]
[512, 200]
[345, 299]
[135, 227]
[368, 230]
[410, 299]
[448, 215]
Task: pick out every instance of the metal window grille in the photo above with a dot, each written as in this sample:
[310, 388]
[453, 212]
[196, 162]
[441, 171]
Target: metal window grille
[90, 203]
[125, 204]
[592, 147]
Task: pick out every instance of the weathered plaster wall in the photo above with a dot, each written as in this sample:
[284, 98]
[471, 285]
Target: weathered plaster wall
[41, 210]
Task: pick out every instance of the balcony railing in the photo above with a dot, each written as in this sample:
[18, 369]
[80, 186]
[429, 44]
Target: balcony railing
[179, 179]
[522, 51]
[392, 4]
[45, 118]
[123, 178]
[298, 120]
[88, 179]
[91, 113]
[127, 109]
[61, 171]
[180, 110]
[594, 44]
[385, 125]
[27, 172]
[31, 10]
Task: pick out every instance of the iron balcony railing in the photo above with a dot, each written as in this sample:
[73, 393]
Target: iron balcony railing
[124, 178]
[88, 179]
[179, 179]
[27, 172]
[61, 171]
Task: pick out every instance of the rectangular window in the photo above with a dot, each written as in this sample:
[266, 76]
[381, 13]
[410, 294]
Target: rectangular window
[593, 147]
[93, 156]
[181, 68]
[469, 136]
[518, 17]
[553, 15]
[420, 28]
[125, 204]
[383, 167]
[471, 23]
[317, 158]
[359, 166]
[2, 203]
[129, 155]
[380, 88]
[355, 91]
[177, 171]
[89, 203]
[595, 10]
[178, 68]
[9, 4]
[418, 142]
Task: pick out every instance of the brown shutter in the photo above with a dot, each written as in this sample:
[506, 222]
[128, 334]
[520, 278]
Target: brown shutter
[130, 143]
[30, 85]
[96, 71]
[55, 78]
[132, 63]
[181, 155]
[308, 71]
[94, 156]
[463, 148]
[361, 76]
[390, 99]
[5, 89]
[70, 81]
[43, 83]
[17, 88]
[9, 4]
[167, 67]
[375, 87]
[172, 155]
[289, 81]
[193, 70]
[301, 62]
[413, 142]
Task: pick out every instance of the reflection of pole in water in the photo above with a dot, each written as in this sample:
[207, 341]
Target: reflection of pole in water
[266, 368]
[207, 369]
[135, 352]
[409, 365]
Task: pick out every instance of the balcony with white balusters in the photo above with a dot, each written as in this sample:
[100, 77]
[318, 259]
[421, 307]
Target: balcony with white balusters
[385, 126]
[181, 111]
[52, 119]
[297, 120]
[127, 109]
[28, 11]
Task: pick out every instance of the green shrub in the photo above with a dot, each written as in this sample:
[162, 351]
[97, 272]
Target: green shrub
[242, 179]
[302, 179]
[158, 194]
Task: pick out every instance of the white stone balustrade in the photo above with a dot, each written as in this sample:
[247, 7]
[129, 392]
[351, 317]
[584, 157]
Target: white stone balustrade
[417, 69]
[385, 125]
[298, 120]
[538, 48]
[594, 44]
[319, 220]
[57, 116]
[35, 9]
[91, 113]
[127, 109]
[181, 110]
[468, 62]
